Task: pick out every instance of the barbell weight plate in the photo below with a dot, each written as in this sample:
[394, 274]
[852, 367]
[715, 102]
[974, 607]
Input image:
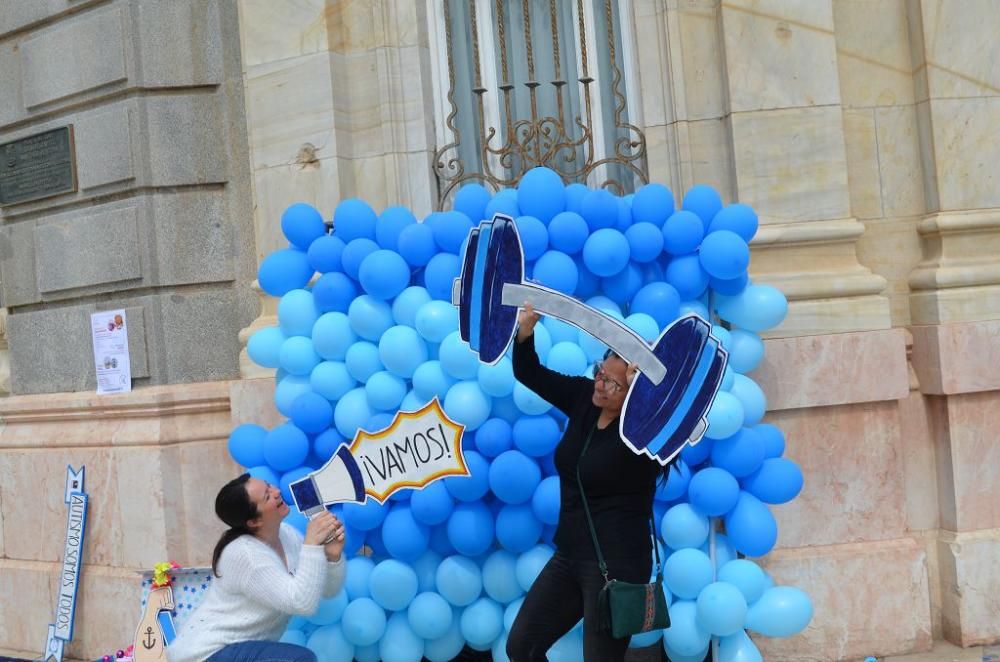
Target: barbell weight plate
[505, 262]
[481, 270]
[464, 301]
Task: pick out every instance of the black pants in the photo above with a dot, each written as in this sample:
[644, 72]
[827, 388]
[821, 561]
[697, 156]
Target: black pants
[565, 591]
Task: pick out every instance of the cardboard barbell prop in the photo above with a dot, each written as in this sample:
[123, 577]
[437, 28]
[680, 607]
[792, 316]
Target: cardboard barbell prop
[679, 375]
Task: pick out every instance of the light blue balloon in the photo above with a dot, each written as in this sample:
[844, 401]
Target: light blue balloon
[356, 579]
[528, 401]
[746, 576]
[401, 350]
[264, 347]
[297, 313]
[482, 622]
[777, 481]
[758, 308]
[408, 303]
[684, 527]
[330, 645]
[332, 380]
[366, 653]
[429, 615]
[606, 252]
[505, 409]
[725, 416]
[393, 584]
[645, 639]
[400, 643]
[457, 359]
[467, 404]
[474, 486]
[645, 241]
[363, 622]
[624, 285]
[412, 402]
[430, 380]
[332, 336]
[264, 473]
[500, 577]
[470, 530]
[448, 647]
[459, 580]
[440, 273]
[644, 325]
[560, 331]
[724, 336]
[674, 656]
[426, 566]
[738, 648]
[722, 609]
[287, 390]
[312, 413]
[567, 358]
[362, 360]
[685, 635]
[530, 564]
[545, 501]
[369, 317]
[751, 526]
[296, 637]
[404, 537]
[728, 378]
[352, 412]
[751, 397]
[696, 307]
[297, 356]
[782, 611]
[432, 505]
[329, 610]
[283, 271]
[497, 380]
[658, 300]
[568, 648]
[686, 572]
[556, 270]
[494, 437]
[510, 614]
[514, 476]
[499, 649]
[543, 342]
[434, 320]
[746, 350]
[246, 444]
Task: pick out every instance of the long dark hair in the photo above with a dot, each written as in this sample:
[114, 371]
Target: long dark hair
[234, 507]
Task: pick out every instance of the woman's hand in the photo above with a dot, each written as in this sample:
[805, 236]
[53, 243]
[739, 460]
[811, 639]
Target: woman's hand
[527, 318]
[321, 528]
[335, 547]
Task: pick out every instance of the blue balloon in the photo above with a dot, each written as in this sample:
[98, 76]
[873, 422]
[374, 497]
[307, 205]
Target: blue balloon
[474, 486]
[751, 526]
[773, 438]
[297, 356]
[624, 285]
[289, 388]
[354, 219]
[384, 274]
[738, 218]
[448, 647]
[359, 569]
[730, 287]
[354, 255]
[653, 203]
[536, 436]
[393, 583]
[432, 505]
[404, 537]
[751, 397]
[285, 447]
[686, 276]
[408, 304]
[683, 527]
[746, 576]
[471, 200]
[429, 615]
[514, 476]
[781, 611]
[776, 481]
[302, 224]
[725, 417]
[606, 252]
[391, 224]
[369, 317]
[265, 473]
[334, 292]
[645, 241]
[290, 636]
[568, 232]
[450, 229]
[482, 621]
[497, 380]
[534, 236]
[517, 528]
[738, 648]
[676, 484]
[417, 245]
[430, 380]
[426, 567]
[367, 653]
[722, 609]
[713, 491]
[246, 445]
[467, 404]
[574, 196]
[703, 201]
[325, 253]
[329, 610]
[644, 325]
[470, 528]
[363, 622]
[434, 320]
[685, 636]
[312, 413]
[283, 271]
[556, 270]
[326, 444]
[439, 540]
[682, 233]
[385, 390]
[329, 643]
[686, 572]
[658, 300]
[352, 412]
[504, 202]
[696, 307]
[332, 380]
[494, 437]
[457, 359]
[600, 209]
[757, 308]
[530, 564]
[440, 273]
[567, 358]
[459, 580]
[264, 347]
[500, 577]
[528, 401]
[587, 284]
[740, 454]
[297, 313]
[365, 516]
[362, 360]
[724, 255]
[402, 351]
[506, 409]
[541, 193]
[746, 351]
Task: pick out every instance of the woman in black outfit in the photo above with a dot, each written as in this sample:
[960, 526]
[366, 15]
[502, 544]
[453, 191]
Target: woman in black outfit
[619, 487]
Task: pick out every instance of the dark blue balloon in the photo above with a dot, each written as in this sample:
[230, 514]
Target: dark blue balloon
[685, 274]
[517, 528]
[513, 477]
[355, 253]
[600, 209]
[471, 200]
[606, 252]
[440, 275]
[751, 527]
[326, 444]
[773, 438]
[624, 221]
[677, 482]
[724, 255]
[740, 454]
[474, 486]
[568, 232]
[450, 229]
[682, 233]
[541, 194]
[433, 504]
[384, 274]
[738, 218]
[556, 270]
[494, 437]
[417, 245]
[312, 413]
[283, 271]
[285, 447]
[730, 287]
[713, 491]
[302, 224]
[334, 292]
[645, 241]
[391, 224]
[246, 445]
[404, 537]
[624, 285]
[695, 455]
[587, 284]
[777, 481]
[703, 201]
[354, 219]
[325, 253]
[470, 528]
[534, 236]
[653, 203]
[504, 202]
[536, 435]
[365, 516]
[658, 300]
[545, 501]
[574, 197]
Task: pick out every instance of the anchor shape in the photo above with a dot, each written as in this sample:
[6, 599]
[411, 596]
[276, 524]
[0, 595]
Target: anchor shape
[150, 640]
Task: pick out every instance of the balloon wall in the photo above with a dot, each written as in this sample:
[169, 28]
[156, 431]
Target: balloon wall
[365, 328]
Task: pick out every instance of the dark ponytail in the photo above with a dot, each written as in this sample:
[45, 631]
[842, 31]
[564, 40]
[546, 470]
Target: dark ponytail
[234, 507]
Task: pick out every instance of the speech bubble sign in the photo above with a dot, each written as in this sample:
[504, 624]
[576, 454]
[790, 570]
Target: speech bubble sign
[416, 449]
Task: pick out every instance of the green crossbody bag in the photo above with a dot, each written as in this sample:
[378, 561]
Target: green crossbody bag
[625, 609]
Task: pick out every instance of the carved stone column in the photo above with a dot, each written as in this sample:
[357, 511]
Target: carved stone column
[4, 355]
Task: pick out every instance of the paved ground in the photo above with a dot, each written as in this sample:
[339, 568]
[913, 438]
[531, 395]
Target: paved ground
[945, 652]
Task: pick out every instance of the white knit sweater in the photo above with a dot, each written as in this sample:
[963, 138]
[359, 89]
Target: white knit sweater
[255, 595]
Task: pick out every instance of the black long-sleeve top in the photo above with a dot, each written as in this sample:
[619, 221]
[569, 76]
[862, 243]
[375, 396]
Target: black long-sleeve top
[619, 484]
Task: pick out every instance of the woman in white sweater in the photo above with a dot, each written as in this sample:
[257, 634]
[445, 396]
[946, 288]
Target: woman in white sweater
[265, 574]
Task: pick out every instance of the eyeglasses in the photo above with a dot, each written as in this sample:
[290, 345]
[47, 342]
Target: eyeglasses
[601, 376]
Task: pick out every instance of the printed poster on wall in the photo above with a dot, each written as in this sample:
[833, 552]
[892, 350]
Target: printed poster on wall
[111, 359]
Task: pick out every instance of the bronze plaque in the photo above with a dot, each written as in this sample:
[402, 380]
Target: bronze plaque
[38, 166]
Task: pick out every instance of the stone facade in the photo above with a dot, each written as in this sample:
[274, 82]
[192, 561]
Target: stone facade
[860, 130]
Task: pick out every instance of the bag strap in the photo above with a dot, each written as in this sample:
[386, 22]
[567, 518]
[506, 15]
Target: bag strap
[590, 521]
